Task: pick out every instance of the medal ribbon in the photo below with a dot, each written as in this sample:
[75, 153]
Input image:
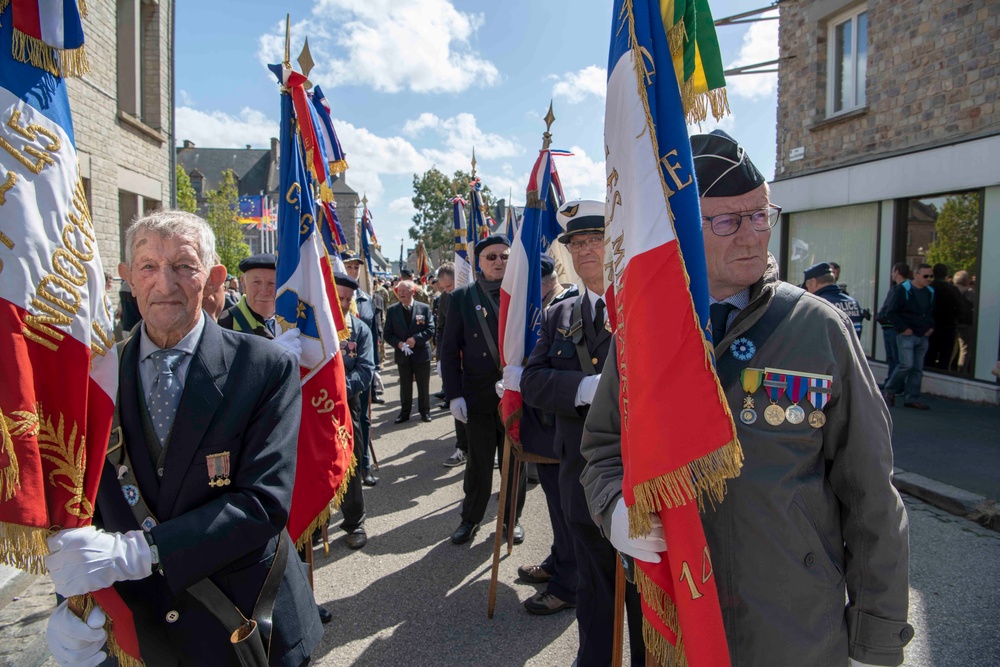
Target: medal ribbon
[797, 386]
[774, 385]
[751, 379]
[819, 391]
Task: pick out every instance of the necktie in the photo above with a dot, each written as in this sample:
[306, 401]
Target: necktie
[719, 315]
[166, 394]
[269, 323]
[599, 316]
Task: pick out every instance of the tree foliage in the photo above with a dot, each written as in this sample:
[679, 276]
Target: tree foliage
[186, 199]
[432, 195]
[223, 218]
[957, 228]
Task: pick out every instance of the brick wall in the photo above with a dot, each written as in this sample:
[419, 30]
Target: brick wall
[933, 78]
[110, 143]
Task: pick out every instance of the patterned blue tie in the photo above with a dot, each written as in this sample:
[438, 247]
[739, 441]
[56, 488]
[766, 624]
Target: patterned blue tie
[166, 394]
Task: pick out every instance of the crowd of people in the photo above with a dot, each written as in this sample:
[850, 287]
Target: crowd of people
[809, 549]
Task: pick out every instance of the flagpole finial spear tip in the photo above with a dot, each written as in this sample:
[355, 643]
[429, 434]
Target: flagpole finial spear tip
[364, 199]
[549, 119]
[473, 162]
[288, 41]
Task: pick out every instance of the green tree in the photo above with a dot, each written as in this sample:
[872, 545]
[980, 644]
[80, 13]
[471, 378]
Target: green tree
[223, 218]
[957, 228]
[432, 194]
[186, 199]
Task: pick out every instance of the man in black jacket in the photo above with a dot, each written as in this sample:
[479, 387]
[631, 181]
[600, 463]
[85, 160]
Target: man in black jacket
[470, 366]
[409, 329]
[912, 316]
[948, 307]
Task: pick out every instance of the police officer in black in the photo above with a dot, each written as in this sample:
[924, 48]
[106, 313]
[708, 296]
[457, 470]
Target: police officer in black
[470, 367]
[561, 377]
[821, 281]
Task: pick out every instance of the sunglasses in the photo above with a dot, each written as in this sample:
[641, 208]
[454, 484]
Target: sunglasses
[926, 275]
[492, 257]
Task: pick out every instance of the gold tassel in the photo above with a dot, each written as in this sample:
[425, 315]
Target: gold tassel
[338, 167]
[325, 193]
[10, 478]
[305, 539]
[665, 653]
[658, 601]
[23, 547]
[82, 5]
[82, 605]
[62, 63]
[676, 37]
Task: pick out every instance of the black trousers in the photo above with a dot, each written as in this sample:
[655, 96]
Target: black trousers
[561, 561]
[461, 437]
[595, 600]
[408, 371]
[485, 434]
[353, 504]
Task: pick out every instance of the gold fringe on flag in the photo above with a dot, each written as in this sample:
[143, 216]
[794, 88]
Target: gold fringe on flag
[324, 516]
[82, 5]
[658, 601]
[696, 105]
[58, 62]
[82, 605]
[3, 4]
[23, 547]
[665, 653]
[338, 167]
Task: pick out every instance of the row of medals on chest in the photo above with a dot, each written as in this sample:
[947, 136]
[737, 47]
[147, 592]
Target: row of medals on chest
[798, 386]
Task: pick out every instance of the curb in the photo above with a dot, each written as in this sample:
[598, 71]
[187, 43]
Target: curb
[949, 498]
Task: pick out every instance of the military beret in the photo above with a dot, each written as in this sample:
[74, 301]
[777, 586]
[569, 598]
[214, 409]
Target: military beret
[264, 260]
[344, 280]
[349, 256]
[817, 270]
[405, 273]
[495, 239]
[548, 266]
[583, 216]
[722, 167]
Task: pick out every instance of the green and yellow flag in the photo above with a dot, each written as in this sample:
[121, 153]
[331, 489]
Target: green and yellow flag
[694, 48]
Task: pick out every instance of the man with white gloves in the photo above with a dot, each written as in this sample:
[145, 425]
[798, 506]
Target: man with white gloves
[409, 329]
[195, 491]
[470, 367]
[561, 377]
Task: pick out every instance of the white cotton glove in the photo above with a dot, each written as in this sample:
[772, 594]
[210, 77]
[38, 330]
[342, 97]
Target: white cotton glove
[291, 342]
[378, 381]
[406, 349]
[459, 410]
[646, 548]
[499, 388]
[586, 390]
[73, 642]
[84, 560]
[512, 377]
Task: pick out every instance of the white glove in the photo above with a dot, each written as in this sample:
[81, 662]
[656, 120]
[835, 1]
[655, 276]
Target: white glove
[646, 548]
[459, 410]
[378, 381]
[73, 642]
[586, 390]
[512, 377]
[406, 349]
[499, 388]
[291, 342]
[84, 560]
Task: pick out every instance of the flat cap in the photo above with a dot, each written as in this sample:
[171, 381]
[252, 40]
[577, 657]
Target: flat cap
[264, 260]
[495, 239]
[817, 270]
[344, 280]
[582, 216]
[722, 167]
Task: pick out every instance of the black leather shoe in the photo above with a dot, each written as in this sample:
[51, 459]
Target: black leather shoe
[439, 394]
[465, 532]
[400, 419]
[324, 616]
[378, 400]
[369, 479]
[425, 418]
[357, 539]
[518, 533]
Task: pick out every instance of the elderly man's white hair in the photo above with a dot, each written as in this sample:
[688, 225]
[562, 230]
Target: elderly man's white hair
[169, 222]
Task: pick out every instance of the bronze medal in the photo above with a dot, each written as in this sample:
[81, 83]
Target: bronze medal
[774, 415]
[748, 416]
[817, 419]
[751, 379]
[794, 414]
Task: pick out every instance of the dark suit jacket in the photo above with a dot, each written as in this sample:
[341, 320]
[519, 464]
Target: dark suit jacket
[549, 383]
[242, 396]
[397, 330]
[467, 366]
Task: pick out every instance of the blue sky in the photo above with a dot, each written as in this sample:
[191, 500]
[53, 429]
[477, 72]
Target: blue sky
[417, 83]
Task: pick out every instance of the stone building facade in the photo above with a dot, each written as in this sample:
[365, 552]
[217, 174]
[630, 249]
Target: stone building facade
[123, 114]
[888, 123]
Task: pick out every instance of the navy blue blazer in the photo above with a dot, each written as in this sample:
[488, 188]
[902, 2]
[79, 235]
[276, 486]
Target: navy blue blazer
[420, 328]
[242, 396]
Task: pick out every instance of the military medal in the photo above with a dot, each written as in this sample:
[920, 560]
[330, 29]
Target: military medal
[751, 379]
[743, 349]
[218, 469]
[774, 385]
[819, 396]
[796, 386]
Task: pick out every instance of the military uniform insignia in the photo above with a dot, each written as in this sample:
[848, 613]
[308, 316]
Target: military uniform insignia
[743, 349]
[131, 493]
[420, 320]
[751, 379]
[796, 387]
[819, 396]
[218, 469]
[774, 385]
[148, 523]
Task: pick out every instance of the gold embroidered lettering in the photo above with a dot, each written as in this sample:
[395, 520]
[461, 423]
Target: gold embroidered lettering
[96, 349]
[30, 133]
[305, 223]
[292, 196]
[6, 186]
[672, 170]
[686, 574]
[80, 278]
[67, 235]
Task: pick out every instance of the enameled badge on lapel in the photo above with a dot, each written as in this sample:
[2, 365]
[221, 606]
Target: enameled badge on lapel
[743, 349]
[218, 469]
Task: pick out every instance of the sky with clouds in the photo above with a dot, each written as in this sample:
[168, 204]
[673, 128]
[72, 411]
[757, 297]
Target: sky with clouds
[415, 84]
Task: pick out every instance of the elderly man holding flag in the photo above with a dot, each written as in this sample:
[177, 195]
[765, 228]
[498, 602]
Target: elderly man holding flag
[735, 567]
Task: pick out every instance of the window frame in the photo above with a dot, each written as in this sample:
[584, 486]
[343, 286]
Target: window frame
[850, 16]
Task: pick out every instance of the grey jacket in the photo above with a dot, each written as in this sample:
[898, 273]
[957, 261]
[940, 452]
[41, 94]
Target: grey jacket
[813, 513]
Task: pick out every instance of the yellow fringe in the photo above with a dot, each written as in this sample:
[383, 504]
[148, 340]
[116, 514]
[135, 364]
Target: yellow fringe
[82, 605]
[676, 37]
[58, 62]
[325, 193]
[82, 5]
[10, 478]
[696, 105]
[3, 5]
[23, 547]
[701, 477]
[338, 166]
[338, 497]
[658, 600]
[324, 516]
[665, 653]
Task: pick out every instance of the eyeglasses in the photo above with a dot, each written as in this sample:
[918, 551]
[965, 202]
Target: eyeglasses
[727, 224]
[926, 276]
[492, 257]
[590, 243]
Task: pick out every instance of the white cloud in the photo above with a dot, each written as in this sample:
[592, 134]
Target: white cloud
[216, 129]
[760, 44]
[575, 87]
[390, 45]
[461, 134]
[402, 206]
[581, 176]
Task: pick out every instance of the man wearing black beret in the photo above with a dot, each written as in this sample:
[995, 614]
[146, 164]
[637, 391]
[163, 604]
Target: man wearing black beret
[470, 368]
[813, 519]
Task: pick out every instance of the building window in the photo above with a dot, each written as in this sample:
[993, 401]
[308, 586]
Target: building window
[848, 62]
[139, 60]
